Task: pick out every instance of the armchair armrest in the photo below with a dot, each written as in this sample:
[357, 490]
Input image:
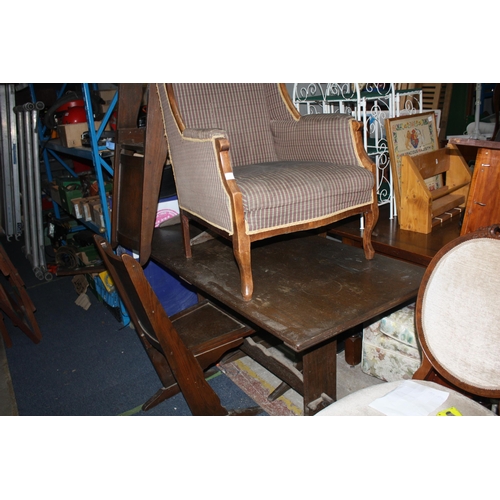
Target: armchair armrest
[203, 134]
[201, 185]
[322, 137]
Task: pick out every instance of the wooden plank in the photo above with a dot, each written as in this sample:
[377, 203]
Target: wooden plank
[440, 219]
[320, 377]
[432, 163]
[131, 137]
[414, 211]
[439, 193]
[459, 174]
[446, 203]
[464, 141]
[288, 374]
[390, 239]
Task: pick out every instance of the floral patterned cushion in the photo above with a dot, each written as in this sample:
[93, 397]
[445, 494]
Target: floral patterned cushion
[390, 347]
[400, 325]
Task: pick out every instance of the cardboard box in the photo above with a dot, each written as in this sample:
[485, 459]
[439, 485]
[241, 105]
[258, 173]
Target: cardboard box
[77, 207]
[96, 210]
[71, 134]
[87, 204]
[107, 97]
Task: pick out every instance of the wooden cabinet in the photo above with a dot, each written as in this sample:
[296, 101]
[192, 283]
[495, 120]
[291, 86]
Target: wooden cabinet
[483, 203]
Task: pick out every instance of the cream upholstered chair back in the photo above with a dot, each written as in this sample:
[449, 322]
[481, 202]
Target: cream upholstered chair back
[459, 312]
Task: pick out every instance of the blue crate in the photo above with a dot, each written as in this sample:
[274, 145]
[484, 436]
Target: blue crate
[174, 294]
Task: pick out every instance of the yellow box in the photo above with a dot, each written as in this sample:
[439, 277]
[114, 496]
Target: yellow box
[107, 281]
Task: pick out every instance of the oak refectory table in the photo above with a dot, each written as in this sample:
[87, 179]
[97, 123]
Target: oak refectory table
[308, 290]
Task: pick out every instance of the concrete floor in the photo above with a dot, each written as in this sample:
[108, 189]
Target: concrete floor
[8, 405]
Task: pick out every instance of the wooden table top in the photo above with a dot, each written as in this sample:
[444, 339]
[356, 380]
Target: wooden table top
[465, 141]
[307, 288]
[389, 239]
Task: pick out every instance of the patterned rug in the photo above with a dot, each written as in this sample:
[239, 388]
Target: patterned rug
[258, 383]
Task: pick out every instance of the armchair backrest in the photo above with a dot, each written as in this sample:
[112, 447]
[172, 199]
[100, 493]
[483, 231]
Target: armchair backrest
[195, 113]
[243, 110]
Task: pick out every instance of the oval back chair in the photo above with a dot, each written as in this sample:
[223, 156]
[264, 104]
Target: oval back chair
[457, 318]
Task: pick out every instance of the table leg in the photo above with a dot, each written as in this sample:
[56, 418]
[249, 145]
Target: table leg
[320, 377]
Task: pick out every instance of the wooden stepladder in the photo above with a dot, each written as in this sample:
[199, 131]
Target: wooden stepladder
[16, 303]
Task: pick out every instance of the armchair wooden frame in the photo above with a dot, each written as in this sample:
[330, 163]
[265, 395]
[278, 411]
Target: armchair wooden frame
[241, 239]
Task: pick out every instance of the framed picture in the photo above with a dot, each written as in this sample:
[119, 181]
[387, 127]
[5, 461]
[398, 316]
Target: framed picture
[411, 135]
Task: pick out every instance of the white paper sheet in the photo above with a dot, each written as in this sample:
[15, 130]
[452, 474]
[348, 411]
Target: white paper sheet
[410, 399]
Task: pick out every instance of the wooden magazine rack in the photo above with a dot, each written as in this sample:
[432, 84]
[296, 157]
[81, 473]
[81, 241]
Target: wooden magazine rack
[423, 207]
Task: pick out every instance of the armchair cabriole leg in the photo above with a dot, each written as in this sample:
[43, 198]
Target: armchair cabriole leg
[244, 260]
[371, 219]
[186, 237]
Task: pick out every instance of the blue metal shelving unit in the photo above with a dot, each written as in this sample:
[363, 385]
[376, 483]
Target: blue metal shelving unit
[98, 154]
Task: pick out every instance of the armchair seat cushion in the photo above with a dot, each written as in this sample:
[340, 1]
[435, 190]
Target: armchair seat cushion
[285, 193]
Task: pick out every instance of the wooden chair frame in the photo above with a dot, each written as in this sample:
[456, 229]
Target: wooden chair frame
[431, 369]
[137, 179]
[181, 347]
[17, 304]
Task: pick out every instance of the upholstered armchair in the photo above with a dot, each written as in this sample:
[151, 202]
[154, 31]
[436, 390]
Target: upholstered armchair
[249, 166]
